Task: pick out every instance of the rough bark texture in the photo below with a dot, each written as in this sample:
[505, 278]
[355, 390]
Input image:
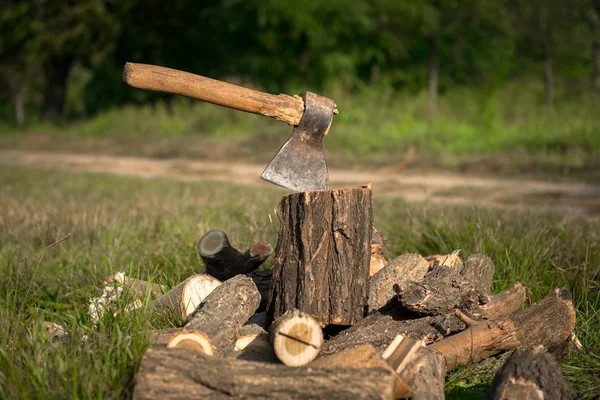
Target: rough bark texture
[452, 261]
[479, 270]
[223, 261]
[530, 375]
[425, 375]
[178, 373]
[380, 329]
[322, 257]
[361, 357]
[391, 279]
[378, 259]
[253, 345]
[439, 292]
[224, 312]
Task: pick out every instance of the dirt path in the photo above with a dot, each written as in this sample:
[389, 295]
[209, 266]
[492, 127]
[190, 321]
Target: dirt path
[570, 198]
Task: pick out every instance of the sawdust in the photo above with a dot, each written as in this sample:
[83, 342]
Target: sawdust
[577, 199]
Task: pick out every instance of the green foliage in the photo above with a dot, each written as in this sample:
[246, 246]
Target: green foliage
[149, 228]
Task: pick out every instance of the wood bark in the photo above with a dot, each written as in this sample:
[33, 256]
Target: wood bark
[224, 312]
[386, 284]
[296, 338]
[223, 261]
[182, 301]
[452, 261]
[177, 373]
[322, 256]
[253, 345]
[362, 357]
[378, 259]
[530, 374]
[262, 280]
[479, 269]
[381, 329]
[425, 375]
[548, 323]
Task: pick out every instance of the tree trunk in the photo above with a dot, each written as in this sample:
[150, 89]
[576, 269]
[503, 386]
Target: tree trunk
[530, 375]
[322, 256]
[56, 72]
[183, 374]
[596, 59]
[549, 79]
[19, 100]
[434, 66]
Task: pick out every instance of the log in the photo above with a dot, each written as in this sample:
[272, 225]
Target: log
[422, 369]
[182, 301]
[296, 338]
[479, 269]
[391, 279]
[530, 374]
[223, 261]
[322, 256]
[381, 329]
[439, 292]
[262, 280]
[452, 261]
[361, 357]
[223, 313]
[253, 345]
[137, 287]
[193, 340]
[378, 259]
[549, 323]
[178, 373]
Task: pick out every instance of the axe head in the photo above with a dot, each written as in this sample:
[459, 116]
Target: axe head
[300, 163]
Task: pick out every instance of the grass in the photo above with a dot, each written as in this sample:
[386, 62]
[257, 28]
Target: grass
[148, 228]
[506, 130]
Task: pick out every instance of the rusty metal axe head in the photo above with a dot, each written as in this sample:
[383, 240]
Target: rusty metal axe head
[300, 163]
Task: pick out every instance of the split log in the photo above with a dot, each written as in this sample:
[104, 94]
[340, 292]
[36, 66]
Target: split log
[391, 279]
[451, 261]
[362, 357]
[479, 269]
[322, 256]
[381, 329]
[177, 373]
[137, 287]
[530, 375]
[439, 292]
[549, 323]
[253, 345]
[183, 300]
[223, 261]
[296, 338]
[422, 369]
[378, 259]
[223, 313]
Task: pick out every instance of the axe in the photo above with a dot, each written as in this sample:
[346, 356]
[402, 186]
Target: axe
[300, 163]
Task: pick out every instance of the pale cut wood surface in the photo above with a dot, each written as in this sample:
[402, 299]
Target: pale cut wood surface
[151, 77]
[296, 338]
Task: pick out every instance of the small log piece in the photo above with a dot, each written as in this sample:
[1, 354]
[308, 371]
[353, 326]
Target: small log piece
[262, 280]
[322, 256]
[183, 300]
[390, 280]
[452, 261]
[361, 357]
[137, 287]
[549, 323]
[253, 345]
[178, 373]
[378, 259]
[422, 369]
[530, 375]
[479, 269]
[296, 338]
[223, 261]
[223, 313]
[379, 329]
[193, 340]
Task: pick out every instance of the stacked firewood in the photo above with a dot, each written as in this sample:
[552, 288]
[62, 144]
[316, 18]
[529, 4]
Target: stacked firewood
[335, 319]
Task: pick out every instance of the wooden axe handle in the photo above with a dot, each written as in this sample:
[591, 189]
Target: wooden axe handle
[280, 107]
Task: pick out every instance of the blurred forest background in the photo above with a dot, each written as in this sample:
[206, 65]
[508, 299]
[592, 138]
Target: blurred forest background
[446, 76]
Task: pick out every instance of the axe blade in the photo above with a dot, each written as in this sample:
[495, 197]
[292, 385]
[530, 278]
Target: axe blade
[300, 163]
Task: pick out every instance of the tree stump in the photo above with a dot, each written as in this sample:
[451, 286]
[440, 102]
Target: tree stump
[296, 338]
[322, 256]
[530, 375]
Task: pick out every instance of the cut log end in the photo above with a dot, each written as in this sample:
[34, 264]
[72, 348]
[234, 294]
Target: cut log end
[296, 338]
[193, 340]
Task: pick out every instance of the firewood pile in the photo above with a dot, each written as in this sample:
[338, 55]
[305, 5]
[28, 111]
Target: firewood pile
[334, 319]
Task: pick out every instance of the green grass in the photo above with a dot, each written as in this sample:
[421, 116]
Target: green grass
[149, 228]
[505, 130]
